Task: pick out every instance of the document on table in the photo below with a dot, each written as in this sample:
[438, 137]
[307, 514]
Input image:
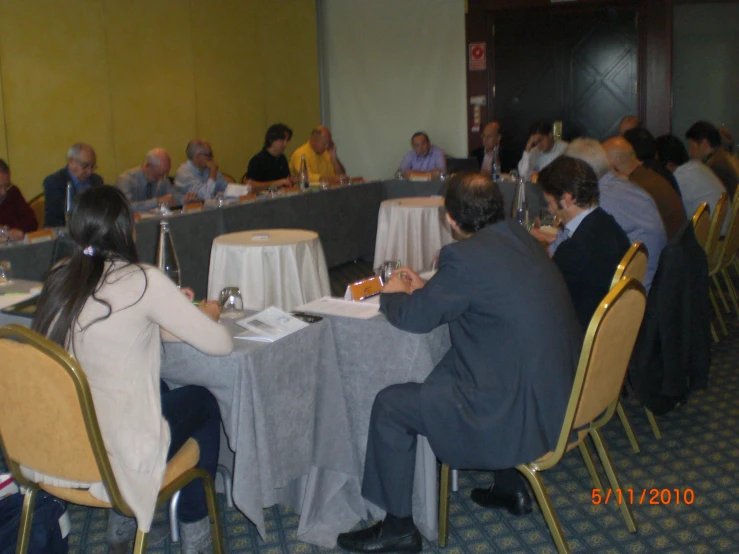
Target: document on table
[269, 325]
[336, 306]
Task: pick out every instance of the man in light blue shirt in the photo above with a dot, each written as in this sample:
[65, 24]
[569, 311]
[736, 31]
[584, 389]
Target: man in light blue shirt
[424, 161]
[147, 187]
[199, 174]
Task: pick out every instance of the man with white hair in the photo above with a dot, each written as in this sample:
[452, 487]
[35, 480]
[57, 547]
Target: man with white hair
[147, 186]
[632, 207]
[81, 163]
[199, 174]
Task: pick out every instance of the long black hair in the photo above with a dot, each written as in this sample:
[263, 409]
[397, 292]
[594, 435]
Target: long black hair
[101, 226]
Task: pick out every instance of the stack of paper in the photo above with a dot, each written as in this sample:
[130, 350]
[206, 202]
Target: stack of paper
[336, 306]
[269, 325]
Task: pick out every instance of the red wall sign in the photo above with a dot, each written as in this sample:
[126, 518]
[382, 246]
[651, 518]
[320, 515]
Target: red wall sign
[478, 56]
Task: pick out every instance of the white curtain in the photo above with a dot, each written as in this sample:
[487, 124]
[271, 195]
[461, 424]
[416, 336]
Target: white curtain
[390, 68]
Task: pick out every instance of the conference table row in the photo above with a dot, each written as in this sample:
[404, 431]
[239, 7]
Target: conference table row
[345, 218]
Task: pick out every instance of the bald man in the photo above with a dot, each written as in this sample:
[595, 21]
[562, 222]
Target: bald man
[147, 186]
[625, 164]
[627, 124]
[320, 156]
[199, 174]
[79, 172]
[485, 155]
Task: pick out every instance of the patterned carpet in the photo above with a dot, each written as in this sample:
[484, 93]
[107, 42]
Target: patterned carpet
[699, 451]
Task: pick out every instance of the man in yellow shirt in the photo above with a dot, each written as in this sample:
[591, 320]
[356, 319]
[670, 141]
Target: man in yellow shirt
[320, 156]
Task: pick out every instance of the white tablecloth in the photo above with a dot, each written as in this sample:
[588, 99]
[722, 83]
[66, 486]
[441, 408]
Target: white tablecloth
[272, 267]
[411, 230]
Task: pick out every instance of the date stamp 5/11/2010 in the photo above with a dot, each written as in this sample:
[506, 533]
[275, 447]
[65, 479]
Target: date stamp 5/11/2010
[654, 497]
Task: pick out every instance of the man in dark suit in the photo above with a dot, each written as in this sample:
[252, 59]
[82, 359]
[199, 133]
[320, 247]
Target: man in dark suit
[591, 244]
[486, 154]
[498, 397]
[81, 163]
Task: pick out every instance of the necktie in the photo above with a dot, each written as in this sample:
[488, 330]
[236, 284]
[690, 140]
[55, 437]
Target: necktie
[148, 190]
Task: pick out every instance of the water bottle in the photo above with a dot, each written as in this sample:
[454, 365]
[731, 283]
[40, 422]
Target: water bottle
[68, 201]
[303, 179]
[166, 255]
[520, 206]
[496, 164]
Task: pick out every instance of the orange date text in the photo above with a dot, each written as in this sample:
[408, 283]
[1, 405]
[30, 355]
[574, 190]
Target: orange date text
[653, 497]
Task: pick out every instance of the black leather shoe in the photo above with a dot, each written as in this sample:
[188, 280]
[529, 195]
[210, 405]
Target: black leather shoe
[518, 503]
[377, 539]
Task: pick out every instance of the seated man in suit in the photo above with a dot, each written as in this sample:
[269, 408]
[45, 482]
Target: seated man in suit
[199, 174]
[498, 397]
[704, 145]
[147, 186]
[591, 244]
[625, 164]
[541, 150]
[424, 161]
[81, 162]
[645, 147]
[486, 155]
[15, 213]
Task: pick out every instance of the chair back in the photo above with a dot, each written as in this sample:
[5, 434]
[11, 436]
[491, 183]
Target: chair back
[730, 246]
[193, 207]
[604, 359]
[47, 417]
[38, 205]
[717, 225]
[702, 224]
[633, 264]
[40, 236]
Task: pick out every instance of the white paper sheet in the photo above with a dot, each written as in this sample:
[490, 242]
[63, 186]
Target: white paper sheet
[269, 325]
[336, 306]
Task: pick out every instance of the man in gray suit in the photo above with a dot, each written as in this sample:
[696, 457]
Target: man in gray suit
[498, 397]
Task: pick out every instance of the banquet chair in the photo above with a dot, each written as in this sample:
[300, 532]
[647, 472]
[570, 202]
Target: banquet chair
[702, 224]
[38, 205]
[712, 248]
[634, 265]
[48, 423]
[605, 355]
[718, 255]
[728, 255]
[40, 236]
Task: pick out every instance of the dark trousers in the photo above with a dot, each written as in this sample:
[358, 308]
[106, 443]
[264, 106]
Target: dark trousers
[390, 464]
[192, 412]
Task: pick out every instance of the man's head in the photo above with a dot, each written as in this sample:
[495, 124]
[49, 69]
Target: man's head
[421, 143]
[320, 139]
[671, 152]
[472, 201]
[642, 142]
[277, 137]
[199, 153]
[491, 135]
[591, 152]
[627, 123]
[81, 161]
[4, 179]
[703, 140]
[543, 135]
[156, 165]
[621, 156]
[570, 186]
[727, 141]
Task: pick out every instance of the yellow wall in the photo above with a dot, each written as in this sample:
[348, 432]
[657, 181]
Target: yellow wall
[128, 75]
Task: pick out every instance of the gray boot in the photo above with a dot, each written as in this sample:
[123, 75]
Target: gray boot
[196, 537]
[122, 530]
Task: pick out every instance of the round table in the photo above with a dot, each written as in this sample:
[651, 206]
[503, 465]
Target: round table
[411, 230]
[272, 267]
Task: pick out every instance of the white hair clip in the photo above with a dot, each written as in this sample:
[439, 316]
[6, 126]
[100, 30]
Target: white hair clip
[89, 251]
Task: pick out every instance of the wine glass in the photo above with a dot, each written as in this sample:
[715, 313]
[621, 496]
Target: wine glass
[232, 305]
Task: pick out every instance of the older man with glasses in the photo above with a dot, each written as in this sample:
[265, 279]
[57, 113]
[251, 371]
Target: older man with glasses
[79, 173]
[199, 174]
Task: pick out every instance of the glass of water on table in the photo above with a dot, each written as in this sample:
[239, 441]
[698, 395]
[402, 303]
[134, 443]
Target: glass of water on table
[386, 270]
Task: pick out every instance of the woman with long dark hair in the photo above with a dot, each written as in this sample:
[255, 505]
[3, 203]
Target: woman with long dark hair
[111, 312]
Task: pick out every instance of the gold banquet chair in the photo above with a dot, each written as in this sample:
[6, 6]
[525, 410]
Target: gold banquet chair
[634, 265]
[727, 255]
[714, 248]
[606, 351]
[702, 224]
[48, 423]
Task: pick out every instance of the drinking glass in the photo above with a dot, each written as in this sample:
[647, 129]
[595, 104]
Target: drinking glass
[6, 273]
[324, 183]
[399, 175]
[545, 218]
[220, 201]
[513, 175]
[386, 269]
[443, 176]
[4, 235]
[232, 305]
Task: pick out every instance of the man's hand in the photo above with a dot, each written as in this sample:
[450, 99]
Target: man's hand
[16, 235]
[397, 283]
[533, 143]
[407, 174]
[190, 197]
[211, 308]
[411, 277]
[167, 200]
[187, 291]
[543, 237]
[213, 166]
[332, 149]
